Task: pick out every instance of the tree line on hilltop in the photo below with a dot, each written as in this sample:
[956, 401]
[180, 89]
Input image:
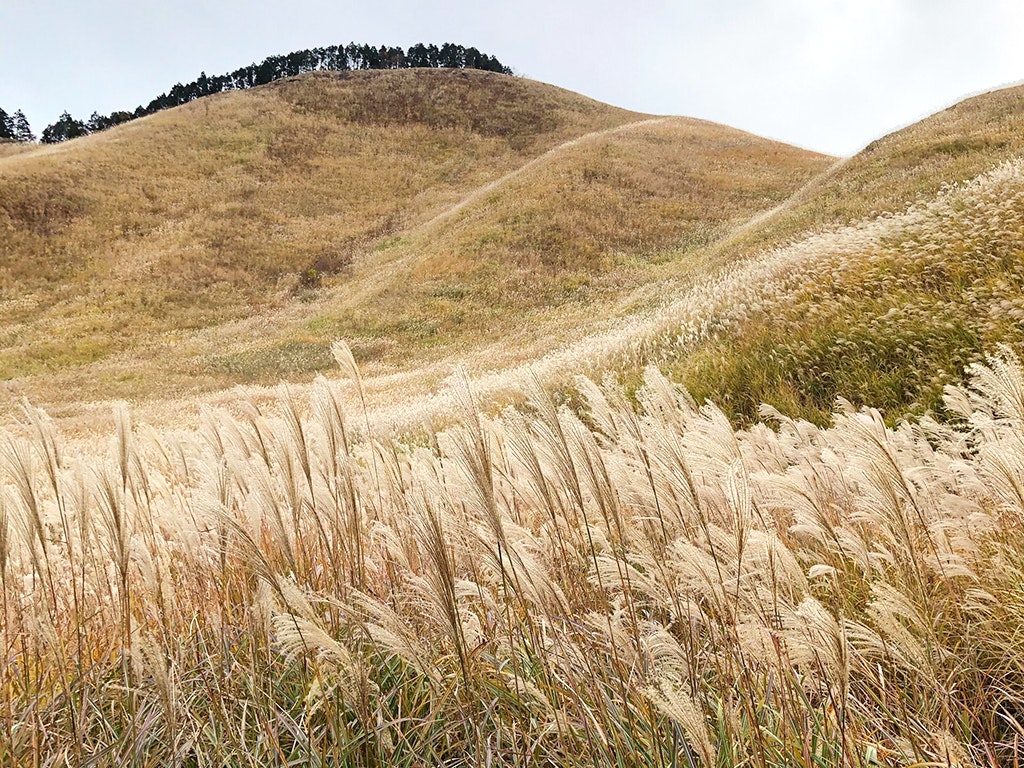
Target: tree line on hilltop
[15, 127]
[331, 58]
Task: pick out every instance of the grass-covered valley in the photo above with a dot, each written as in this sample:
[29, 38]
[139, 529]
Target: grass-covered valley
[421, 417]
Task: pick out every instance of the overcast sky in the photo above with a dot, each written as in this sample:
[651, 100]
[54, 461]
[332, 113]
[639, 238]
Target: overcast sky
[827, 74]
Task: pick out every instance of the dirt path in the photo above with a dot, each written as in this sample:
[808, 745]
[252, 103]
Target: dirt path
[368, 279]
[490, 186]
[398, 398]
[758, 219]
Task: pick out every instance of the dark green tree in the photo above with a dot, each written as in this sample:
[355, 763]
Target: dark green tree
[98, 122]
[64, 129]
[22, 130]
[417, 56]
[453, 56]
[6, 126]
[334, 58]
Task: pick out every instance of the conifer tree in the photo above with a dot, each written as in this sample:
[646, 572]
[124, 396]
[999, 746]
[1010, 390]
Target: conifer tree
[334, 58]
[6, 126]
[65, 128]
[22, 130]
[15, 127]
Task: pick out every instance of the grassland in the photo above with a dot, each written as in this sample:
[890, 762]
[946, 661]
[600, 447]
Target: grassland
[530, 568]
[567, 237]
[232, 240]
[884, 310]
[635, 585]
[9, 148]
[891, 322]
[205, 214]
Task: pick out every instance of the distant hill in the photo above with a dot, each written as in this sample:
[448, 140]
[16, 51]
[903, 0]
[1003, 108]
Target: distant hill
[136, 258]
[910, 164]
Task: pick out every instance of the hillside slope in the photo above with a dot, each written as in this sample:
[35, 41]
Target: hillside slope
[9, 148]
[201, 214]
[232, 239]
[552, 249]
[902, 167]
[890, 311]
[787, 310]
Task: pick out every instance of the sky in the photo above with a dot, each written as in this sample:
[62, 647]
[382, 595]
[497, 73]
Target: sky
[829, 75]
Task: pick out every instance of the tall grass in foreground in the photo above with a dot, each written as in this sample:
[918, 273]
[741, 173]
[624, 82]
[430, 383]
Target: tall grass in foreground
[632, 585]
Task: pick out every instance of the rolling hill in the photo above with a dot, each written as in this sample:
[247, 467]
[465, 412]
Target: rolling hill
[232, 239]
[931, 287]
[911, 164]
[879, 281]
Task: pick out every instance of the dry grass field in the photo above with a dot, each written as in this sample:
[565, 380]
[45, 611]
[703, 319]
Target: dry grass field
[671, 512]
[231, 240]
[214, 211]
[629, 584]
[9, 148]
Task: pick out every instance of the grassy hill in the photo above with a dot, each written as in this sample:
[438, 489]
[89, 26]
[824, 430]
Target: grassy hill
[216, 210]
[910, 164]
[879, 281]
[558, 243]
[892, 319]
[232, 239]
[432, 216]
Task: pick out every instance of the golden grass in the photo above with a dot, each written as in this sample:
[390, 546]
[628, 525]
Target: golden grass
[232, 240]
[200, 215]
[550, 254]
[888, 313]
[632, 584]
[901, 168]
[885, 313]
[581, 228]
[10, 148]
[605, 575]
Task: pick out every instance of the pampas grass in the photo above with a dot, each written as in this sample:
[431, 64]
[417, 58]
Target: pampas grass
[631, 583]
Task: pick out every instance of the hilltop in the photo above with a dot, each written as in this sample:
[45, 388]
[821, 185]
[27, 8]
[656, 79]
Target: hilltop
[232, 239]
